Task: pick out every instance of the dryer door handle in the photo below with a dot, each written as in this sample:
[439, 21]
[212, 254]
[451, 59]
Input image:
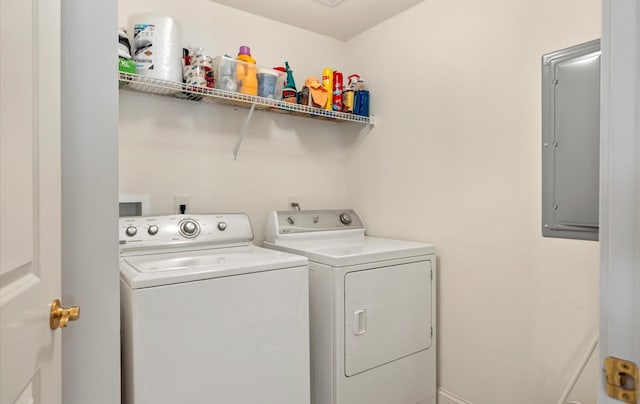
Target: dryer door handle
[360, 322]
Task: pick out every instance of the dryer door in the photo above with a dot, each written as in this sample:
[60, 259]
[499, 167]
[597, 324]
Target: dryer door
[387, 314]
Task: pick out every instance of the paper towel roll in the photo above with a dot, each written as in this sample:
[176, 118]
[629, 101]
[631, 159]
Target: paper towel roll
[157, 48]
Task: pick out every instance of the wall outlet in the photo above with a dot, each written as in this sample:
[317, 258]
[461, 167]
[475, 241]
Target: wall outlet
[291, 200]
[181, 199]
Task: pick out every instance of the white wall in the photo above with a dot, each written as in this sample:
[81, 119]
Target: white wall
[455, 160]
[170, 147]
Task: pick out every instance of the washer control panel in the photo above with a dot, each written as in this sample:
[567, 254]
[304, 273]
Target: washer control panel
[307, 221]
[159, 231]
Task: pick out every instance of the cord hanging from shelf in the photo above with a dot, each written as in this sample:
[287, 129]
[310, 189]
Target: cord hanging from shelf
[243, 131]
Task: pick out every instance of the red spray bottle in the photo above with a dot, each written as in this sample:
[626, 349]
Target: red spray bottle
[337, 91]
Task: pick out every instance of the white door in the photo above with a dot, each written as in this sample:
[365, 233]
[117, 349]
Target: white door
[382, 325]
[620, 190]
[29, 200]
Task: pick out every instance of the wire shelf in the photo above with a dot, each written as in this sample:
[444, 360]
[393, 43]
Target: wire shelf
[207, 95]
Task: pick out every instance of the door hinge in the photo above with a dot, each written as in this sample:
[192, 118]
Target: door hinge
[431, 332]
[432, 274]
[621, 379]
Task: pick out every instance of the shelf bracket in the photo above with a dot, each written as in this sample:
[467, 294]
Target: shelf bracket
[243, 131]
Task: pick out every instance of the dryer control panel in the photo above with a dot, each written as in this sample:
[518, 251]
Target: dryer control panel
[300, 221]
[159, 232]
[309, 223]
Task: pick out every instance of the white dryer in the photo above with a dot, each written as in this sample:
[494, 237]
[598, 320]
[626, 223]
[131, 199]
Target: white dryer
[207, 317]
[372, 309]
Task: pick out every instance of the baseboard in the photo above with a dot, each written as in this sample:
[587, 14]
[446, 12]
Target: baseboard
[445, 397]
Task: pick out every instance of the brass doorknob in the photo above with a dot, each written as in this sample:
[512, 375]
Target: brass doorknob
[60, 316]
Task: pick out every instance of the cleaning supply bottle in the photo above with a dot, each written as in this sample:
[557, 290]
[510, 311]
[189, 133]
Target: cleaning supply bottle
[327, 82]
[361, 101]
[337, 91]
[246, 73]
[348, 96]
[289, 92]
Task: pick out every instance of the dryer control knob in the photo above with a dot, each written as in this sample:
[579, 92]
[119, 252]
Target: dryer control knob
[152, 230]
[189, 228]
[290, 220]
[131, 231]
[222, 226]
[345, 218]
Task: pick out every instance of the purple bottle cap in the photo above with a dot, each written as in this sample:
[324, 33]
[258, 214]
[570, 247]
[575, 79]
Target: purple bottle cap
[245, 50]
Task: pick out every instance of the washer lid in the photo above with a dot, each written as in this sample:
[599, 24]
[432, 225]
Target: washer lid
[144, 271]
[353, 250]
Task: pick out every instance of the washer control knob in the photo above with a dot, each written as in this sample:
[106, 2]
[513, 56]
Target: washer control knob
[345, 218]
[222, 226]
[131, 231]
[152, 230]
[189, 228]
[290, 220]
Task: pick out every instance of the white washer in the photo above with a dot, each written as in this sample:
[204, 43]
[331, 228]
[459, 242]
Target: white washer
[209, 317]
[372, 309]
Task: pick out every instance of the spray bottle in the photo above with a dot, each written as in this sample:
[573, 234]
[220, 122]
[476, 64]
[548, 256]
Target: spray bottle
[337, 91]
[289, 92]
[348, 96]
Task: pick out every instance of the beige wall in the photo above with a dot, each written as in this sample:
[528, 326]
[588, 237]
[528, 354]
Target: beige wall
[455, 160]
[170, 147]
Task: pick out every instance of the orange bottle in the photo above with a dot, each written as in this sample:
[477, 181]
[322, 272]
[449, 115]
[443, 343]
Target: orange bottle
[246, 73]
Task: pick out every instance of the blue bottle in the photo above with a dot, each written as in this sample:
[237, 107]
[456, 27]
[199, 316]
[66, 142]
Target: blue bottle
[361, 99]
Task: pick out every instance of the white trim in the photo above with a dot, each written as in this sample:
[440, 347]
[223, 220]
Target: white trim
[90, 275]
[445, 397]
[620, 184]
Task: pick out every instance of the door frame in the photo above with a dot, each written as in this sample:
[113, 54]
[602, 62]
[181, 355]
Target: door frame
[90, 274]
[620, 185]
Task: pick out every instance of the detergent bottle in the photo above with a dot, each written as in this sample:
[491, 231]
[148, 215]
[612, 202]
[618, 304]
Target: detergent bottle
[246, 73]
[348, 95]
